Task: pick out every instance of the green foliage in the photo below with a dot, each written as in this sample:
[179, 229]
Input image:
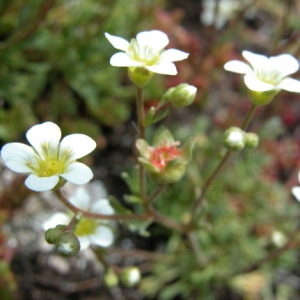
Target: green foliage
[54, 63]
[236, 225]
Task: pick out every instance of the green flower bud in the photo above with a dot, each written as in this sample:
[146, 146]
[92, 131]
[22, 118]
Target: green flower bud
[139, 76]
[181, 95]
[68, 244]
[110, 278]
[234, 139]
[251, 140]
[52, 234]
[130, 276]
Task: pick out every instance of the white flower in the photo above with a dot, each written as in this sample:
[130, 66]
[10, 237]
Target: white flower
[88, 231]
[225, 11]
[49, 161]
[296, 190]
[146, 51]
[264, 74]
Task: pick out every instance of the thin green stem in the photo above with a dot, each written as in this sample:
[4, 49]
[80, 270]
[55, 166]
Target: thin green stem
[219, 167]
[208, 183]
[140, 112]
[248, 117]
[141, 134]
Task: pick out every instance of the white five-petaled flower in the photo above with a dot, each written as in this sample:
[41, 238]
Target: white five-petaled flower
[49, 161]
[146, 51]
[264, 74]
[296, 190]
[88, 231]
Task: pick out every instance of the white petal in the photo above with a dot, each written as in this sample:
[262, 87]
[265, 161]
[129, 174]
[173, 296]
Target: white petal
[77, 144]
[16, 156]
[165, 68]
[173, 55]
[237, 66]
[78, 173]
[290, 84]
[121, 59]
[56, 219]
[103, 207]
[254, 84]
[284, 64]
[156, 39]
[80, 198]
[41, 184]
[103, 236]
[296, 192]
[45, 133]
[256, 60]
[85, 242]
[117, 42]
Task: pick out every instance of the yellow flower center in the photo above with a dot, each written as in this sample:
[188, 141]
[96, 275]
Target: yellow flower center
[50, 167]
[270, 77]
[86, 227]
[143, 53]
[49, 163]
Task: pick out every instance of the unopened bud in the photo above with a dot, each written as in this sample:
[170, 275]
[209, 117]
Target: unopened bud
[130, 276]
[52, 234]
[234, 139]
[68, 244]
[110, 278]
[251, 140]
[181, 95]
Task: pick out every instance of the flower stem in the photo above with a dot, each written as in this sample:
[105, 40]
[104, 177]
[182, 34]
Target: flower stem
[150, 215]
[219, 167]
[248, 117]
[91, 215]
[141, 134]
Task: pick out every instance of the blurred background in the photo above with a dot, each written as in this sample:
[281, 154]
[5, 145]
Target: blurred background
[54, 66]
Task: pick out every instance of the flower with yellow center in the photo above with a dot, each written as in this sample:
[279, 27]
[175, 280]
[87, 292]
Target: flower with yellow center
[267, 73]
[266, 76]
[146, 51]
[49, 161]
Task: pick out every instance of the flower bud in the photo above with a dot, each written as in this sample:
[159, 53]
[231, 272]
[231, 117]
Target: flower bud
[52, 234]
[139, 76]
[68, 244]
[110, 278]
[251, 140]
[130, 276]
[234, 139]
[181, 95]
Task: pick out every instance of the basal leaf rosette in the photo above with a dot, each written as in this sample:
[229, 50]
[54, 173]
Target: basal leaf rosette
[165, 161]
[49, 161]
[266, 76]
[145, 55]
